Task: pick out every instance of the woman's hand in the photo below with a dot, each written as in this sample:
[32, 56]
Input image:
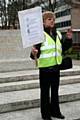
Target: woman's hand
[34, 51]
[69, 34]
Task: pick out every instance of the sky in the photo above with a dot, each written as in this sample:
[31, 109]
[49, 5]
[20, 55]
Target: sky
[6, 1]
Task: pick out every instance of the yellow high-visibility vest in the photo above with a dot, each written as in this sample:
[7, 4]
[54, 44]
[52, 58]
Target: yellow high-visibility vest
[51, 51]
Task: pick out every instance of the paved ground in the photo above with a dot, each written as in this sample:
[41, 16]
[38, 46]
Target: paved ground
[71, 111]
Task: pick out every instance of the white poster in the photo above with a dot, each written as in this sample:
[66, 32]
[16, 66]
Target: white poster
[31, 26]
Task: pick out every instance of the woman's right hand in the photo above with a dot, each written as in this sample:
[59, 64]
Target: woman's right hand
[34, 51]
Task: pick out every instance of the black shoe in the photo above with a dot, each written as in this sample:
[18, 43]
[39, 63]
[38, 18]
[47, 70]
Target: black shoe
[47, 118]
[60, 116]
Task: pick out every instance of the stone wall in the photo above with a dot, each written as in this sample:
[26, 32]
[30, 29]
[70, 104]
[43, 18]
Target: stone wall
[12, 54]
[11, 45]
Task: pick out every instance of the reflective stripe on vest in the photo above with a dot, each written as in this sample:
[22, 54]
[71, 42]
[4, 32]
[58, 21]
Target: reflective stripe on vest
[51, 52]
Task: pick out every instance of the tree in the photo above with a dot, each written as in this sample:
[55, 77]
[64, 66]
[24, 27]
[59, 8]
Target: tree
[3, 11]
[13, 8]
[52, 5]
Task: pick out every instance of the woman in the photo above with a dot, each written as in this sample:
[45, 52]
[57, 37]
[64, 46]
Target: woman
[49, 54]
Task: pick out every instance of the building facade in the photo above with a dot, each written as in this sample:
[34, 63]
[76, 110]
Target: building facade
[68, 16]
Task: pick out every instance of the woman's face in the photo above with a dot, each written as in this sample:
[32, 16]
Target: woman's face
[49, 22]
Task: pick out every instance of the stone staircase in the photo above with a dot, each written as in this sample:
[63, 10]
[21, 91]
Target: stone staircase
[20, 89]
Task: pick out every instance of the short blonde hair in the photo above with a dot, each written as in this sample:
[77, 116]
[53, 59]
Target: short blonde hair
[48, 14]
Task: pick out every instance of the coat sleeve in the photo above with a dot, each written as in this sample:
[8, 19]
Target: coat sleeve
[66, 44]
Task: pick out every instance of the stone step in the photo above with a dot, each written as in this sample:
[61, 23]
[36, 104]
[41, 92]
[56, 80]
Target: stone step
[16, 64]
[32, 84]
[25, 99]
[32, 74]
[19, 76]
[19, 85]
[71, 111]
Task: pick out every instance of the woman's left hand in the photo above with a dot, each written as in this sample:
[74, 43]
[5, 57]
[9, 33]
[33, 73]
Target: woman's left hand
[69, 34]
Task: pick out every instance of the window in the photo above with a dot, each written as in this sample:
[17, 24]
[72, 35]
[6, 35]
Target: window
[63, 24]
[63, 13]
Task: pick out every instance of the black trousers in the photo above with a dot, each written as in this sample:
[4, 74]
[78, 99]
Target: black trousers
[49, 85]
